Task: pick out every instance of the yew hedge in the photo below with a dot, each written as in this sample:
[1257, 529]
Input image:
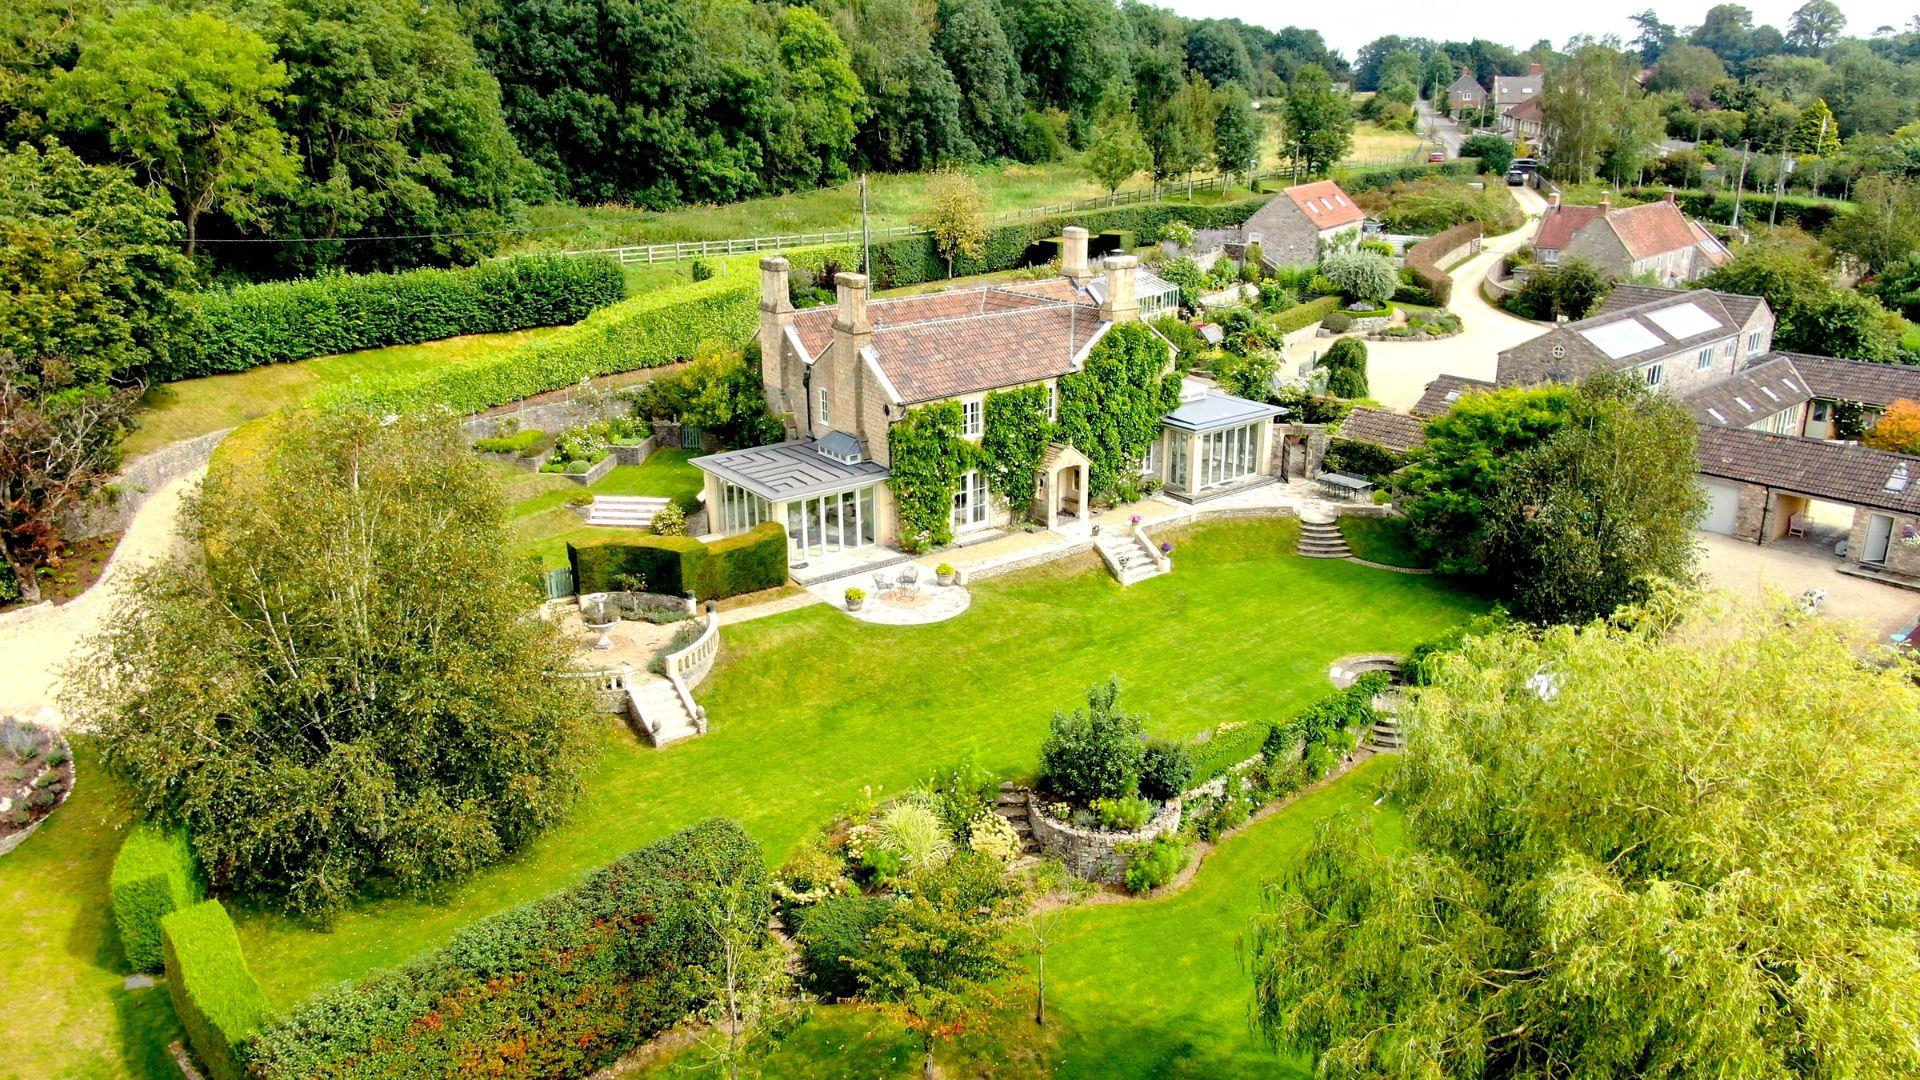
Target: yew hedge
[278, 322]
[214, 995]
[677, 565]
[560, 986]
[1423, 259]
[154, 875]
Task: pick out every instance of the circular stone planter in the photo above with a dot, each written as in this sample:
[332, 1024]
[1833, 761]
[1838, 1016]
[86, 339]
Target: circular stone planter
[11, 835]
[1094, 854]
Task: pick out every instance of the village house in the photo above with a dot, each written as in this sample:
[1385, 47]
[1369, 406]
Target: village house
[1512, 91]
[1650, 240]
[1303, 223]
[1465, 94]
[844, 374]
[1677, 341]
[1528, 121]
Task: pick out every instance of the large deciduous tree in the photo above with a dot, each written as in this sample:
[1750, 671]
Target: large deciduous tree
[1681, 845]
[825, 96]
[188, 99]
[345, 692]
[1318, 121]
[1581, 106]
[972, 39]
[1117, 152]
[1236, 136]
[1884, 227]
[1812, 312]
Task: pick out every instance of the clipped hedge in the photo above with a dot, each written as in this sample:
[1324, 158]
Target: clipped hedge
[153, 876]
[1225, 749]
[1813, 215]
[1353, 181]
[560, 986]
[1423, 259]
[1304, 315]
[661, 327]
[277, 322]
[214, 995]
[676, 565]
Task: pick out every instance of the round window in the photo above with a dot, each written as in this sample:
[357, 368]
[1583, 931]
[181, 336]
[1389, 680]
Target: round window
[1559, 352]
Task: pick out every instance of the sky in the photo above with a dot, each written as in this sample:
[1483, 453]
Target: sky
[1352, 23]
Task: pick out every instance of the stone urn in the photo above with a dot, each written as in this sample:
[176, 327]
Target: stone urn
[856, 599]
[943, 574]
[600, 617]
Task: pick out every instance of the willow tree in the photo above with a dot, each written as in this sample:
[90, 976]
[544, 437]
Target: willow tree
[1684, 846]
[345, 691]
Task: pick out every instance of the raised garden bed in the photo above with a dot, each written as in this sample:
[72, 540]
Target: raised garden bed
[36, 776]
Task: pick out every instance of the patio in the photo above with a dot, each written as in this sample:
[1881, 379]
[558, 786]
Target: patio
[902, 596]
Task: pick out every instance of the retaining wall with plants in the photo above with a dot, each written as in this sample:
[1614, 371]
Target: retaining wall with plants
[1094, 854]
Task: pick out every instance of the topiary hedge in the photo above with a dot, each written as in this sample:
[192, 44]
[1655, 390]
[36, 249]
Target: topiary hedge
[661, 327]
[1423, 259]
[560, 986]
[214, 995]
[276, 322]
[153, 876]
[676, 565]
[1304, 315]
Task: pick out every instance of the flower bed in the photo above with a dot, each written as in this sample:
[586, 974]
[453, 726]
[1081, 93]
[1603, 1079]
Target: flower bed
[36, 776]
[1087, 850]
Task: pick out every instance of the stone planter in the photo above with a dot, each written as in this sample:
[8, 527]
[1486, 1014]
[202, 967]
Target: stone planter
[636, 454]
[856, 603]
[1094, 854]
[595, 474]
[518, 461]
[944, 579]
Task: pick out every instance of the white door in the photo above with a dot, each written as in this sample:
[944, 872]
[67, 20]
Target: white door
[1723, 507]
[1879, 532]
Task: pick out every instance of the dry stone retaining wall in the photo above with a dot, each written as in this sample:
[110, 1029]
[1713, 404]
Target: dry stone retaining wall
[1094, 854]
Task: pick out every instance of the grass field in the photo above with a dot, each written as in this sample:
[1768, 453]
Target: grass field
[1373, 143]
[1382, 540]
[541, 524]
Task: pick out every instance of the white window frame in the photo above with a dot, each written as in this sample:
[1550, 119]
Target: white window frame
[741, 509]
[826, 412]
[1704, 360]
[970, 501]
[1654, 373]
[973, 419]
[1053, 403]
[1753, 344]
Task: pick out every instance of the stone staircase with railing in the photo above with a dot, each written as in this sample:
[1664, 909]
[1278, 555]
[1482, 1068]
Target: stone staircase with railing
[1322, 539]
[630, 511]
[1131, 556]
[660, 709]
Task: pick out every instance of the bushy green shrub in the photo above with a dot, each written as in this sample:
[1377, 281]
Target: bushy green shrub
[214, 995]
[1299, 318]
[153, 876]
[1229, 745]
[515, 443]
[1093, 753]
[1123, 813]
[560, 986]
[1346, 366]
[675, 565]
[831, 936]
[1371, 460]
[670, 520]
[276, 322]
[1166, 769]
[1154, 862]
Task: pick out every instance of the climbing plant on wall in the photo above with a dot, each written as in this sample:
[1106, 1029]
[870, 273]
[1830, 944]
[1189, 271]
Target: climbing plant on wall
[1111, 408]
[1017, 431]
[928, 457]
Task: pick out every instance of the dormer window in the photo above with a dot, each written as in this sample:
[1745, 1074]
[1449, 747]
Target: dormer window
[841, 447]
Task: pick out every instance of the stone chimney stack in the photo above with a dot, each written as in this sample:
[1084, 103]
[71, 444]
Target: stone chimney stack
[1534, 69]
[1670, 198]
[1073, 256]
[1606, 202]
[776, 314]
[850, 316]
[1122, 303]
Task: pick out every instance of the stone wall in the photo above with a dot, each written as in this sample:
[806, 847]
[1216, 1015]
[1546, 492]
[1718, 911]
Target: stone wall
[558, 414]
[1092, 853]
[137, 480]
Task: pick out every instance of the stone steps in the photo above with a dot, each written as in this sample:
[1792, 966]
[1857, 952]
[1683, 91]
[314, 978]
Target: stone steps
[1012, 805]
[661, 712]
[628, 511]
[1322, 540]
[1127, 558]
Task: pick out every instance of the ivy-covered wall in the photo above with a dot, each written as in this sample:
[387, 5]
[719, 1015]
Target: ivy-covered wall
[1110, 409]
[1015, 439]
[928, 456]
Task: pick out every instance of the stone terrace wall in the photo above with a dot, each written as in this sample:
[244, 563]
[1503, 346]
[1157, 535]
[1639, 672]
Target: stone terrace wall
[1092, 853]
[140, 478]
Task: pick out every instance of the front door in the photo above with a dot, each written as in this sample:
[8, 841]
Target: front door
[1879, 534]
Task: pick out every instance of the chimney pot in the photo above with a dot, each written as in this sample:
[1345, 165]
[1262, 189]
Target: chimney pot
[774, 294]
[1073, 255]
[1534, 69]
[851, 300]
[1606, 201]
[1670, 196]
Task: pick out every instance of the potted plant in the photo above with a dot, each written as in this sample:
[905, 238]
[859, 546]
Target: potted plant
[943, 573]
[856, 597]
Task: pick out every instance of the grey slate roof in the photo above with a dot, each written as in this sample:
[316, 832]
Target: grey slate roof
[789, 470]
[1215, 410]
[1395, 431]
[1751, 394]
[1442, 392]
[1838, 472]
[1868, 383]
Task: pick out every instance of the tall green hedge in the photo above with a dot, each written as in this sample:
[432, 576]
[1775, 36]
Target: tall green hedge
[213, 993]
[153, 876]
[661, 327]
[1427, 272]
[1813, 215]
[676, 565]
[1380, 176]
[276, 322]
[560, 986]
[1301, 316]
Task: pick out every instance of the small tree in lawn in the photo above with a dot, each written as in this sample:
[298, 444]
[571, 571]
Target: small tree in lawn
[1366, 276]
[57, 447]
[1346, 364]
[1898, 429]
[748, 984]
[1118, 151]
[956, 215]
[1042, 921]
[1093, 753]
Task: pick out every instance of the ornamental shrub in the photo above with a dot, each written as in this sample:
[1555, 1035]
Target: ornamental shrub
[1346, 366]
[214, 995]
[1153, 863]
[560, 986]
[670, 520]
[1166, 769]
[153, 876]
[515, 443]
[1361, 275]
[1093, 753]
[1123, 814]
[276, 322]
[832, 935]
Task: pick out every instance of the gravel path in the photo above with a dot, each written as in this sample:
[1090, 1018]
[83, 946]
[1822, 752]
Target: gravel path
[34, 648]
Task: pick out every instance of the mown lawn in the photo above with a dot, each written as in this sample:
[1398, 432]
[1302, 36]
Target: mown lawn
[1383, 540]
[541, 523]
[808, 709]
[1145, 988]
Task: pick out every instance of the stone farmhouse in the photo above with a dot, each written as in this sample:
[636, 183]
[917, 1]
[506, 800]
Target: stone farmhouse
[1651, 240]
[1303, 223]
[1677, 341]
[1527, 120]
[844, 374]
[1512, 91]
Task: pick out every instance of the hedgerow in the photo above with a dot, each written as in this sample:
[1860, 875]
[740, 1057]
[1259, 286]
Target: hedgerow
[214, 995]
[1304, 315]
[1423, 259]
[277, 322]
[676, 565]
[657, 328]
[560, 986]
[1110, 409]
[153, 876]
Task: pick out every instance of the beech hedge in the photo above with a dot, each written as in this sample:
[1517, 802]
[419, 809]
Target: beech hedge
[657, 328]
[676, 565]
[277, 322]
[214, 995]
[153, 876]
[560, 986]
[1304, 315]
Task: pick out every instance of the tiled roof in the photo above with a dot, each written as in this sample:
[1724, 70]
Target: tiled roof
[1395, 431]
[1709, 244]
[1625, 295]
[1584, 354]
[1838, 472]
[1465, 83]
[815, 325]
[1442, 392]
[1651, 229]
[1514, 89]
[926, 361]
[1863, 381]
[1530, 109]
[1752, 394]
[1559, 224]
[1325, 205]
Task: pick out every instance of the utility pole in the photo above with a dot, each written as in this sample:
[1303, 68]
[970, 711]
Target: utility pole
[1741, 184]
[1779, 186]
[866, 235]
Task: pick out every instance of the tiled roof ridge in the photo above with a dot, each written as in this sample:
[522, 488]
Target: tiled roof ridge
[1040, 304]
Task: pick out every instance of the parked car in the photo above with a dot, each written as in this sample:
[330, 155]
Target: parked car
[1437, 155]
[1525, 164]
[1516, 177]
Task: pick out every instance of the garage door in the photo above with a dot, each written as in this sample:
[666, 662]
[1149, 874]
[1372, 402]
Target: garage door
[1723, 506]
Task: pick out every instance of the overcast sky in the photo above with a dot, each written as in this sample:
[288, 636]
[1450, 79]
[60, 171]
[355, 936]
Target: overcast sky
[1352, 23]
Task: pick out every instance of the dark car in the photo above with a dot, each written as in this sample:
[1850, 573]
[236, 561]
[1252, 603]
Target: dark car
[1525, 164]
[1516, 177]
